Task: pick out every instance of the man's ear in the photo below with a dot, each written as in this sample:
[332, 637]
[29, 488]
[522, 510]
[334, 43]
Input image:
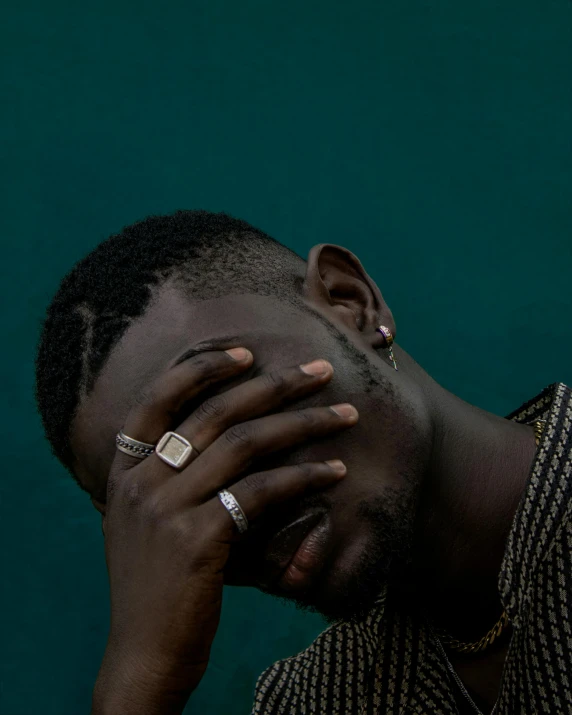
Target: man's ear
[337, 282]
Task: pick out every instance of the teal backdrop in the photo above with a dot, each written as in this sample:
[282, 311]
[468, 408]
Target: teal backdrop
[431, 138]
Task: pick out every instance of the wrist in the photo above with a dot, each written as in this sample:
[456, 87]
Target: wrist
[116, 701]
[131, 687]
[122, 698]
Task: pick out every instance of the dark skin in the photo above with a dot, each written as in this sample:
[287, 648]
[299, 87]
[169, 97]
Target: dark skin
[170, 545]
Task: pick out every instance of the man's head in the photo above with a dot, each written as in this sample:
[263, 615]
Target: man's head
[196, 280]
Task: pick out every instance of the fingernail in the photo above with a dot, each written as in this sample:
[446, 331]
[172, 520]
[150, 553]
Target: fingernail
[348, 412]
[337, 465]
[318, 368]
[239, 354]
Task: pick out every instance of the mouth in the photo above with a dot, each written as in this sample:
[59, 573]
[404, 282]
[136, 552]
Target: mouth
[294, 555]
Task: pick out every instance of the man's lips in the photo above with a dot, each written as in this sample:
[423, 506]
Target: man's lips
[282, 547]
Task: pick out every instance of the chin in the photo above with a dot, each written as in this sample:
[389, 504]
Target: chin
[351, 571]
[354, 578]
[347, 595]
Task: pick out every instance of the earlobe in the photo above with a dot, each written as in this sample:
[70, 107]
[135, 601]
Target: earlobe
[338, 284]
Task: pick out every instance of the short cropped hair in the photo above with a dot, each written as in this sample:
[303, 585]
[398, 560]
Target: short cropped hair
[210, 254]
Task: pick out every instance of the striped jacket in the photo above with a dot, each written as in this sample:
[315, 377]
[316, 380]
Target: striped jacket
[393, 663]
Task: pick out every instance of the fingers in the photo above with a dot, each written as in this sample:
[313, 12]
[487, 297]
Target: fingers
[228, 429]
[261, 490]
[238, 446]
[156, 409]
[259, 396]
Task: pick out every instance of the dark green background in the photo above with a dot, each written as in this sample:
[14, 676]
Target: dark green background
[433, 139]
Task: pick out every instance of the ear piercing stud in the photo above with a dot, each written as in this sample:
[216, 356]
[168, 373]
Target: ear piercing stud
[386, 332]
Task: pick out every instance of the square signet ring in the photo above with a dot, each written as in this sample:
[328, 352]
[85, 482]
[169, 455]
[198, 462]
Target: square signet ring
[175, 450]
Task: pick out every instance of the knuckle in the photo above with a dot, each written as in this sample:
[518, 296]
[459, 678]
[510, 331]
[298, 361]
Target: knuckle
[127, 490]
[180, 531]
[217, 526]
[146, 397]
[257, 483]
[204, 368]
[304, 471]
[240, 436]
[155, 508]
[276, 381]
[306, 417]
[212, 409]
[132, 494]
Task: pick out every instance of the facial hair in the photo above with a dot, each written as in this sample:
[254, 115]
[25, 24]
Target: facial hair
[391, 518]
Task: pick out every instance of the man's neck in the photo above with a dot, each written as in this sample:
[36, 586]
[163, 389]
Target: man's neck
[478, 473]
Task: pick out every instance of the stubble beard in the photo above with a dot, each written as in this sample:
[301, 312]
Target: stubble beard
[386, 557]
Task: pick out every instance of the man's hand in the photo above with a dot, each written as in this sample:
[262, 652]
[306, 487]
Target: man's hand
[167, 535]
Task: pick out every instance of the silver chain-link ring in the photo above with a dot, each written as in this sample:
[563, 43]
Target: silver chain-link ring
[134, 447]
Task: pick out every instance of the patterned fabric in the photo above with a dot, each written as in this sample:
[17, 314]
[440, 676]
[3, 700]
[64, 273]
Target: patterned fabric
[393, 663]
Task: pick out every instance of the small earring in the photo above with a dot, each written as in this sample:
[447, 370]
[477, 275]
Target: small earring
[386, 332]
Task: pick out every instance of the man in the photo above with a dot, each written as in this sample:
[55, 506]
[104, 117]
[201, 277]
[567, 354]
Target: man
[240, 415]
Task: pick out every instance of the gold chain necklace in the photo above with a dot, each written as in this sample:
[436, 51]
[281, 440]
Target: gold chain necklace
[490, 637]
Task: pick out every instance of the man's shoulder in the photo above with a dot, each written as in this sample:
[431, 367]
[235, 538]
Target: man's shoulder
[544, 510]
[338, 658]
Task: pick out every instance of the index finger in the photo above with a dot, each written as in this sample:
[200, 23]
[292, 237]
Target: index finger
[157, 407]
